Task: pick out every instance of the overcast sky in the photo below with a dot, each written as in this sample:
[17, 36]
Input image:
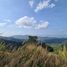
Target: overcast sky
[33, 17]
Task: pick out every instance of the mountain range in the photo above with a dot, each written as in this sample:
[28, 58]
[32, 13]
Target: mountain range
[20, 38]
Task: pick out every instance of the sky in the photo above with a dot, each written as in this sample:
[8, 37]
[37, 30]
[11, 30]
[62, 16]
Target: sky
[33, 17]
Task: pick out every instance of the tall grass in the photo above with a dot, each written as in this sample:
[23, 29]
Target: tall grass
[32, 55]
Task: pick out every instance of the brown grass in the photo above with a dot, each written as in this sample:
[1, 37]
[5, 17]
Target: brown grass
[31, 55]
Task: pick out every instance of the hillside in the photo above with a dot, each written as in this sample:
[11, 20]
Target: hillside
[33, 54]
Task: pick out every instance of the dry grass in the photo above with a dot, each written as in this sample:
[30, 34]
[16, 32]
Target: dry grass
[31, 55]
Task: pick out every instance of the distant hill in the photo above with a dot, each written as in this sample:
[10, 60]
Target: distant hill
[42, 39]
[11, 39]
[52, 39]
[16, 41]
[21, 38]
[11, 43]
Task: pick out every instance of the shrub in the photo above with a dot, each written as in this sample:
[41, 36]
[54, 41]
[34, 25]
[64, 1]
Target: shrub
[2, 46]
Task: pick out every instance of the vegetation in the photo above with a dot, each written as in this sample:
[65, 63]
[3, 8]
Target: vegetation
[33, 54]
[2, 46]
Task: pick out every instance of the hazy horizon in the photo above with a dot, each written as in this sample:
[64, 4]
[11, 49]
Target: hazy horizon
[59, 36]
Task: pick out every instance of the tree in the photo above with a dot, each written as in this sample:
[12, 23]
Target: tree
[33, 38]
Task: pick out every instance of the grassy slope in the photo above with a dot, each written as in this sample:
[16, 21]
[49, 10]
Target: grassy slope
[31, 55]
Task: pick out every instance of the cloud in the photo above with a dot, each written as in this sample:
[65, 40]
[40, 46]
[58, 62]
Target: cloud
[43, 25]
[44, 4]
[31, 2]
[51, 5]
[30, 22]
[26, 21]
[7, 20]
[1, 33]
[4, 22]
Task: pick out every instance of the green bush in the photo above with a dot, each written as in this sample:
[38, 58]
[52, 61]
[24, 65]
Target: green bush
[2, 46]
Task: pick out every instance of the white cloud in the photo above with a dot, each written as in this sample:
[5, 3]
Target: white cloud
[43, 5]
[30, 22]
[31, 2]
[2, 24]
[43, 25]
[51, 5]
[7, 20]
[26, 21]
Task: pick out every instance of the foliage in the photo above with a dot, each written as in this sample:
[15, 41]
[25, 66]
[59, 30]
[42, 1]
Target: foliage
[2, 46]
